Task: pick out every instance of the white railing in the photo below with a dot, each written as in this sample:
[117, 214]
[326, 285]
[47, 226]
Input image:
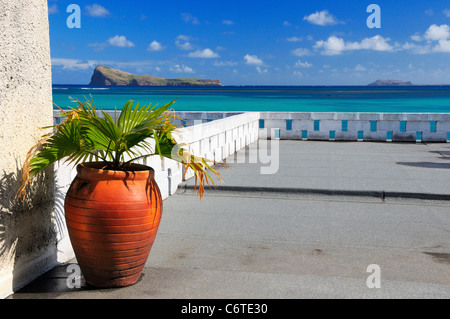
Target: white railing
[388, 127]
[211, 135]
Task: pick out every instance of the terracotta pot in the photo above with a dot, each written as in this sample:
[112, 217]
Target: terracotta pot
[112, 218]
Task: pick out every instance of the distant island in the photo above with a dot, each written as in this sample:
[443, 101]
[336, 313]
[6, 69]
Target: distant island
[390, 83]
[104, 75]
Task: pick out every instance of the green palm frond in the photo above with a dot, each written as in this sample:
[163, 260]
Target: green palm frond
[84, 136]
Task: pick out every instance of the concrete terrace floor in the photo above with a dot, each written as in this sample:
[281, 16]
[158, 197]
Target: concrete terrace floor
[308, 231]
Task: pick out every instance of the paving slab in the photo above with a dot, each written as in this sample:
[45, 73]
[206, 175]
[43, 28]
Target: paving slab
[269, 244]
[352, 167]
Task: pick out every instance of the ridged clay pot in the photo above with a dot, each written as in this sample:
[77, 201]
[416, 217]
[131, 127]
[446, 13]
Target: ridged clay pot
[112, 218]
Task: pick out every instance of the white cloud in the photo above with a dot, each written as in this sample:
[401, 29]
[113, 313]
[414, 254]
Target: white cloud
[436, 33]
[417, 48]
[206, 53]
[53, 9]
[189, 18]
[74, 64]
[82, 65]
[300, 64]
[155, 46]
[437, 39]
[294, 39]
[184, 45]
[332, 46]
[181, 69]
[335, 45]
[227, 22]
[253, 60]
[297, 73]
[96, 10]
[447, 13]
[443, 46]
[360, 68]
[183, 37]
[182, 42]
[287, 24]
[376, 43]
[120, 41]
[225, 63]
[261, 70]
[301, 52]
[322, 18]
[98, 46]
[416, 37]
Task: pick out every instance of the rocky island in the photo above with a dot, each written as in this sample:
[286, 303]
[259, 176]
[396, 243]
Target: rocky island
[390, 83]
[104, 75]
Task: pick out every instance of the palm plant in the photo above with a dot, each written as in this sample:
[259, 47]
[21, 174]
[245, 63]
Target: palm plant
[84, 136]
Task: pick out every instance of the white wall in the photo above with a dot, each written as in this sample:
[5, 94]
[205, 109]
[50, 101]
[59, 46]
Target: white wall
[28, 241]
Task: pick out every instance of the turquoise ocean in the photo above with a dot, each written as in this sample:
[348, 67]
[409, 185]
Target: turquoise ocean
[407, 99]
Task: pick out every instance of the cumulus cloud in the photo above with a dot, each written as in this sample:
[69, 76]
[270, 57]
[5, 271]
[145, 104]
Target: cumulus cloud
[436, 33]
[253, 60]
[184, 45]
[182, 42]
[334, 45]
[177, 68]
[96, 10]
[376, 43]
[183, 37]
[322, 18]
[300, 64]
[120, 41]
[417, 48]
[261, 70]
[443, 46]
[435, 39]
[206, 53]
[416, 37]
[155, 46]
[189, 18]
[301, 52]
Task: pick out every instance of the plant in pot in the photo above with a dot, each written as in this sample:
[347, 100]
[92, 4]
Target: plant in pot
[113, 206]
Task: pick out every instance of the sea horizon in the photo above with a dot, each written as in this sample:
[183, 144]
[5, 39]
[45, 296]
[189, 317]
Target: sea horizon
[266, 98]
[248, 85]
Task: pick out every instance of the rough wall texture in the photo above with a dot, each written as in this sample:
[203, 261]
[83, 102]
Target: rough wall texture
[27, 230]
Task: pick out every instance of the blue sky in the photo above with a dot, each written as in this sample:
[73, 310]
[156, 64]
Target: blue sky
[250, 42]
